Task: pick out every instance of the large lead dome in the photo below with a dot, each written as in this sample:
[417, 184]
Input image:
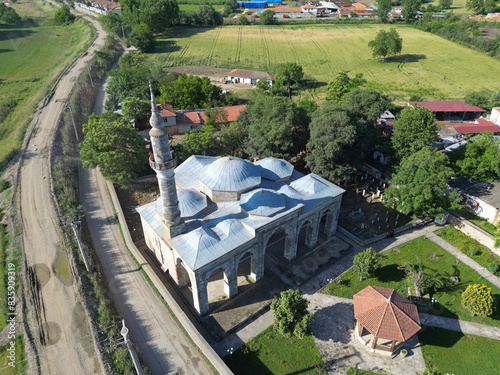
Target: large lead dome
[230, 174]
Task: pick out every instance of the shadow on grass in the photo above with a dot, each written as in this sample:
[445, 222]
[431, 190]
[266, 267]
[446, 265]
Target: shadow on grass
[6, 34]
[438, 337]
[389, 273]
[406, 58]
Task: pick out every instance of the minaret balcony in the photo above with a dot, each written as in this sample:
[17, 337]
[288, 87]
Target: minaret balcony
[164, 165]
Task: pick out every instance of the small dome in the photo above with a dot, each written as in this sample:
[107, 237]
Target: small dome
[229, 228]
[191, 202]
[309, 185]
[262, 202]
[201, 239]
[230, 174]
[275, 169]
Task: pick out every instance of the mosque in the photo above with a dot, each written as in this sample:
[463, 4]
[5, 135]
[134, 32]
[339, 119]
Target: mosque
[213, 212]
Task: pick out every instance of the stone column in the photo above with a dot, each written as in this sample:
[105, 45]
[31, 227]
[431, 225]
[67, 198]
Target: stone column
[291, 242]
[200, 295]
[230, 282]
[257, 264]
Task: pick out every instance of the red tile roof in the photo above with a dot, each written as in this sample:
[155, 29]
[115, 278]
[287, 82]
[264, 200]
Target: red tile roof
[286, 10]
[386, 314]
[482, 126]
[166, 110]
[449, 106]
[361, 7]
[309, 6]
[232, 113]
[188, 118]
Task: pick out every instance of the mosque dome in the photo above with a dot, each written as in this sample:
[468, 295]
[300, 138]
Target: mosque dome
[191, 202]
[262, 202]
[274, 169]
[230, 174]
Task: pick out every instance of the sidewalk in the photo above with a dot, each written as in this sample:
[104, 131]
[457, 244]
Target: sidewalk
[495, 280]
[471, 328]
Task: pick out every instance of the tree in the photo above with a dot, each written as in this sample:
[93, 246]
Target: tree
[242, 20]
[63, 15]
[341, 85]
[419, 277]
[276, 127]
[142, 38]
[127, 82]
[262, 85]
[365, 263]
[386, 43]
[308, 105]
[208, 16]
[114, 146]
[9, 15]
[366, 105]
[414, 129]
[290, 314]
[157, 14]
[475, 5]
[419, 186]
[384, 7]
[288, 74]
[190, 92]
[481, 159]
[134, 108]
[478, 300]
[490, 6]
[267, 17]
[199, 142]
[332, 153]
[445, 4]
[409, 9]
[479, 98]
[232, 140]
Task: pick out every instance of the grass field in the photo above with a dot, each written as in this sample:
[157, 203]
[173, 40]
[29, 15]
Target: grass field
[270, 353]
[20, 365]
[479, 221]
[429, 65]
[449, 296]
[32, 57]
[192, 8]
[466, 244]
[452, 352]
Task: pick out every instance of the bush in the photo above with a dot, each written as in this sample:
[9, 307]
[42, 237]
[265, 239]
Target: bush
[290, 314]
[472, 252]
[4, 185]
[477, 299]
[366, 263]
[493, 267]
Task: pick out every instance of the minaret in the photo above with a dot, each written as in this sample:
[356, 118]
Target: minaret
[164, 165]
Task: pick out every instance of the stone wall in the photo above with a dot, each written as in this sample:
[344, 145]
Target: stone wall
[472, 230]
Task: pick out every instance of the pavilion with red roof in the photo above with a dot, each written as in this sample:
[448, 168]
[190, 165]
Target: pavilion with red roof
[389, 318]
[452, 110]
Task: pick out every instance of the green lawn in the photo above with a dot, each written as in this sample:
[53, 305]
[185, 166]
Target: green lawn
[430, 66]
[20, 365]
[479, 221]
[32, 57]
[271, 353]
[193, 8]
[389, 276]
[465, 244]
[452, 352]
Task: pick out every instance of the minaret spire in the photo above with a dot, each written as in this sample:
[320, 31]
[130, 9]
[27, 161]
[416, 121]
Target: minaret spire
[164, 165]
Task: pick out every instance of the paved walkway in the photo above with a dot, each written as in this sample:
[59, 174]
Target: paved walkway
[471, 328]
[465, 259]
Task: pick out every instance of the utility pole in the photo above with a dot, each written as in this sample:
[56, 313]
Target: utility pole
[84, 256]
[123, 32]
[74, 125]
[131, 350]
[90, 75]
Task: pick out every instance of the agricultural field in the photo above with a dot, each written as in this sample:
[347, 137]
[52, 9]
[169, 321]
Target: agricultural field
[193, 8]
[429, 66]
[32, 57]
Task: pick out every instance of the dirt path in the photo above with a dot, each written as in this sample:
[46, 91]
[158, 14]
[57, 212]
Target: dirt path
[56, 317]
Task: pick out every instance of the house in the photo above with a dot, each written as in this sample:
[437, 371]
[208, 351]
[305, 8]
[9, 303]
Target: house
[481, 125]
[229, 114]
[480, 198]
[451, 110]
[362, 8]
[100, 6]
[328, 7]
[309, 8]
[284, 12]
[249, 77]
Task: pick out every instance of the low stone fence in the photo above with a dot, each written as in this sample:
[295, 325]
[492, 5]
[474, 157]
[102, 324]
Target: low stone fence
[204, 346]
[472, 230]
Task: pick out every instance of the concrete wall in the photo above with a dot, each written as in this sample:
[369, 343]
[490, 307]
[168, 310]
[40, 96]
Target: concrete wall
[473, 231]
[191, 330]
[486, 211]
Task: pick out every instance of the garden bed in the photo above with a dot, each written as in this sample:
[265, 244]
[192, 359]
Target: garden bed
[437, 262]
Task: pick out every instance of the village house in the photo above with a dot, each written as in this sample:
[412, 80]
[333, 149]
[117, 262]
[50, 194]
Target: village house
[248, 77]
[100, 6]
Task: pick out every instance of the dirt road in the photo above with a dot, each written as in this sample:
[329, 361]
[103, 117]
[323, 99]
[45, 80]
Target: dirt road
[56, 317]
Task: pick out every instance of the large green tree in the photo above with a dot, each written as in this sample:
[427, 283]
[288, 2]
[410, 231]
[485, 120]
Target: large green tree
[127, 82]
[288, 74]
[157, 14]
[267, 17]
[386, 43]
[276, 127]
[384, 7]
[190, 92]
[290, 314]
[9, 15]
[142, 38]
[114, 146]
[409, 9]
[206, 15]
[135, 108]
[365, 263]
[332, 151]
[63, 15]
[232, 140]
[419, 186]
[476, 6]
[341, 84]
[199, 142]
[413, 130]
[481, 158]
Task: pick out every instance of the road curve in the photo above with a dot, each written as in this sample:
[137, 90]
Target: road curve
[56, 317]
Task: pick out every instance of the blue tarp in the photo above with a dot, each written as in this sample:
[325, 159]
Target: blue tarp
[252, 4]
[274, 1]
